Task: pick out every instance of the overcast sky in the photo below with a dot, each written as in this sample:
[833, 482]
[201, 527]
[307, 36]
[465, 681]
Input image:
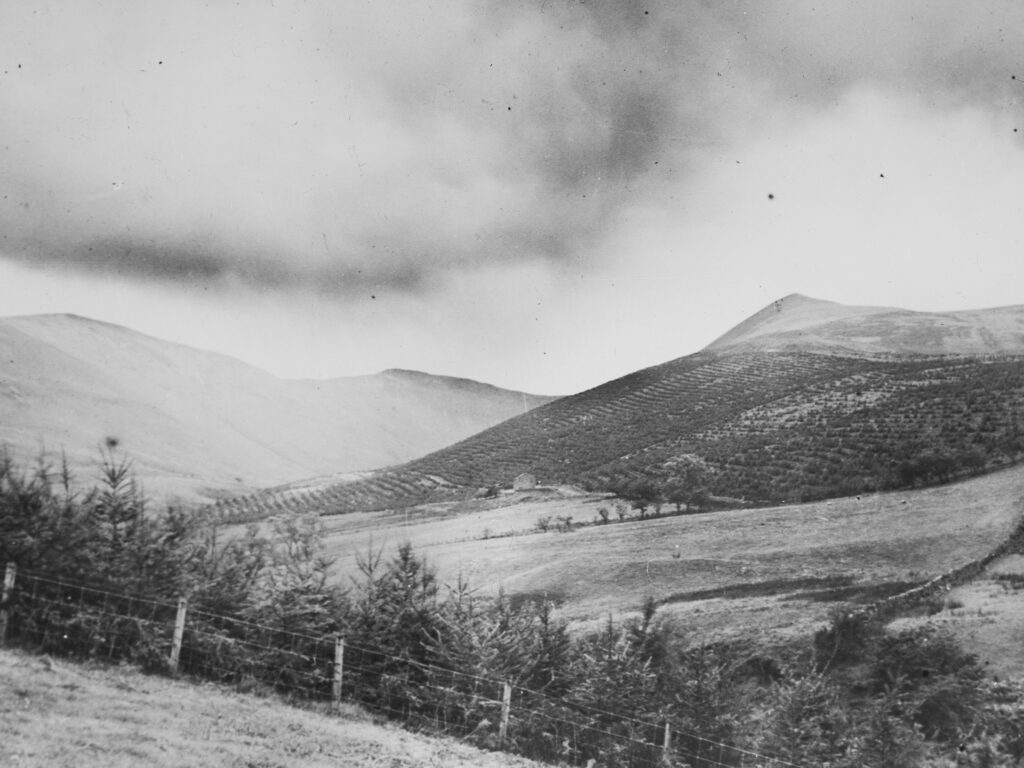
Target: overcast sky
[542, 195]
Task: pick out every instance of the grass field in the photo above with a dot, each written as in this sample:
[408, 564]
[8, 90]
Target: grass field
[55, 714]
[986, 617]
[775, 569]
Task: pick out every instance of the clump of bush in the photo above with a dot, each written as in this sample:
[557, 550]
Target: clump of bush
[849, 637]
[107, 534]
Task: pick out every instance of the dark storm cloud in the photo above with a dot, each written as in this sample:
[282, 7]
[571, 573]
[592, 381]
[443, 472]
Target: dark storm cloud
[392, 144]
[213, 263]
[585, 107]
[614, 104]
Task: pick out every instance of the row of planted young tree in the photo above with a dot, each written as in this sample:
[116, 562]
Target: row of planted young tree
[432, 653]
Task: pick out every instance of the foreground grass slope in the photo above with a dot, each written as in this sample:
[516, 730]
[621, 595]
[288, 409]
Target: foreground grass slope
[59, 713]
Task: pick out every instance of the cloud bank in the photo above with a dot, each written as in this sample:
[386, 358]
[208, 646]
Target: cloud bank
[428, 179]
[389, 144]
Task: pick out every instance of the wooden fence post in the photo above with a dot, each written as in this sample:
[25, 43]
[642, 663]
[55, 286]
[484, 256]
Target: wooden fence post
[9, 574]
[179, 633]
[339, 670]
[506, 706]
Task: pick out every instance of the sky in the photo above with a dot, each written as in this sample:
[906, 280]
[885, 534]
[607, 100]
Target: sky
[543, 195]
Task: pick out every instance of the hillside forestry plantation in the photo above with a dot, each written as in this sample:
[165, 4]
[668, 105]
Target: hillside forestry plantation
[762, 427]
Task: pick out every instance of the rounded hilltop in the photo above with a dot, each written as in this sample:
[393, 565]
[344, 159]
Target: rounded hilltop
[799, 322]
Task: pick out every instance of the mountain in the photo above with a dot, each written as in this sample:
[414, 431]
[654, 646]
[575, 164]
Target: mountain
[805, 399]
[797, 322]
[193, 420]
[793, 317]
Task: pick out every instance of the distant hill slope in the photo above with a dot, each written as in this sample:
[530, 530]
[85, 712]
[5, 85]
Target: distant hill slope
[191, 419]
[809, 325]
[804, 400]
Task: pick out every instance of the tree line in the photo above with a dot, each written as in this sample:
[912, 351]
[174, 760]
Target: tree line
[685, 488]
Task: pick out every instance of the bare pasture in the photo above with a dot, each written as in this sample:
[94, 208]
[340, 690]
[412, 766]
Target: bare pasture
[770, 569]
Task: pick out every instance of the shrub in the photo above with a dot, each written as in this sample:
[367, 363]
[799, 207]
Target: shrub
[885, 739]
[805, 721]
[940, 682]
[106, 535]
[43, 526]
[848, 638]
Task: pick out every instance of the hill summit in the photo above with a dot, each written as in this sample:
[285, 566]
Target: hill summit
[811, 325]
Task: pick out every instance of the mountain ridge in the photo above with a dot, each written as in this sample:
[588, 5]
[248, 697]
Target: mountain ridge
[800, 322]
[793, 312]
[191, 419]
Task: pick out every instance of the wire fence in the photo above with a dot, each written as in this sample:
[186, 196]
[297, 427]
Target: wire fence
[72, 618]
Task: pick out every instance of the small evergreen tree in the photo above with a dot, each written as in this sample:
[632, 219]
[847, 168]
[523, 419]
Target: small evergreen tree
[291, 590]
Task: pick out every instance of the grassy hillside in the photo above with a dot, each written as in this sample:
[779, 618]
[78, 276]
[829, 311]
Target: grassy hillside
[773, 570]
[986, 616]
[66, 715]
[767, 427]
[193, 420]
[793, 314]
[803, 323]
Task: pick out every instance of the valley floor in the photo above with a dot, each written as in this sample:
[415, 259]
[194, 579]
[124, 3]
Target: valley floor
[59, 713]
[765, 572]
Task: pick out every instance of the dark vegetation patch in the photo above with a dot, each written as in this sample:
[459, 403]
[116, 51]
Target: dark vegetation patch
[1012, 581]
[760, 589]
[824, 589]
[859, 593]
[520, 600]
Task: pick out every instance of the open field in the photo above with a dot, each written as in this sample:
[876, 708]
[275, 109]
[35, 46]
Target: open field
[986, 617]
[773, 570]
[60, 713]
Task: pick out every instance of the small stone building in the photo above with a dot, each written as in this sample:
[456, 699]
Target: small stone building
[524, 482]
